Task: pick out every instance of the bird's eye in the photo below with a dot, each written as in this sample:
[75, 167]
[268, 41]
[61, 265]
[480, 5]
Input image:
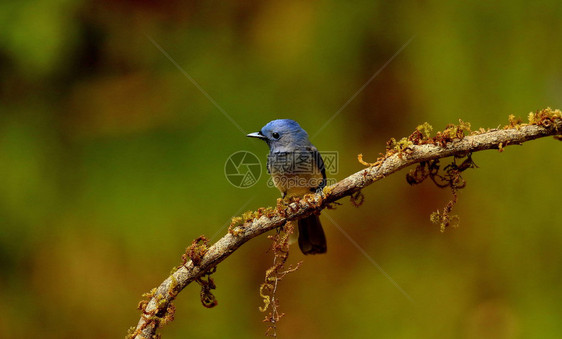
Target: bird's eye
[275, 135]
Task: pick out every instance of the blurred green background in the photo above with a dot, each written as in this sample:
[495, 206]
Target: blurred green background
[112, 161]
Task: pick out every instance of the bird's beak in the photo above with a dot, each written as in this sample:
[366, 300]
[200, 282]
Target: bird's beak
[257, 135]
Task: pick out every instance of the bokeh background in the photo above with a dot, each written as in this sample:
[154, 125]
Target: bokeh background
[112, 161]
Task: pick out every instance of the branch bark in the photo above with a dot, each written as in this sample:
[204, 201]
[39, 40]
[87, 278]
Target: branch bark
[541, 124]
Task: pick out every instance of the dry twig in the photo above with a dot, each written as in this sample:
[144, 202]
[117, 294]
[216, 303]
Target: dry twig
[455, 140]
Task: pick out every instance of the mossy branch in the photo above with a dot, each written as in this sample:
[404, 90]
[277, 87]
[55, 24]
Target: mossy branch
[455, 140]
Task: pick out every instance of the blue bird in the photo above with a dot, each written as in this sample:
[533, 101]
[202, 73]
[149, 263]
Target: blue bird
[296, 168]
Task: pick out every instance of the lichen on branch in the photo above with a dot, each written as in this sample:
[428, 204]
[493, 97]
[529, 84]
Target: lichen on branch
[455, 140]
[273, 275]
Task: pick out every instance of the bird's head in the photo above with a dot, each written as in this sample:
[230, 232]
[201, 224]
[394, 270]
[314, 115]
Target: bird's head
[282, 134]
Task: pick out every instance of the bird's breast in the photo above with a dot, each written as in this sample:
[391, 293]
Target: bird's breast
[295, 173]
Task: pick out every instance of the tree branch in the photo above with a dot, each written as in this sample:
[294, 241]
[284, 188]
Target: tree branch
[415, 149]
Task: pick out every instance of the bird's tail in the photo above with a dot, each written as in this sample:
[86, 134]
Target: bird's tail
[311, 235]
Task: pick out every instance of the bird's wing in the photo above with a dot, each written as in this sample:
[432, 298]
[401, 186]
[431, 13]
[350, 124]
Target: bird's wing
[319, 163]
